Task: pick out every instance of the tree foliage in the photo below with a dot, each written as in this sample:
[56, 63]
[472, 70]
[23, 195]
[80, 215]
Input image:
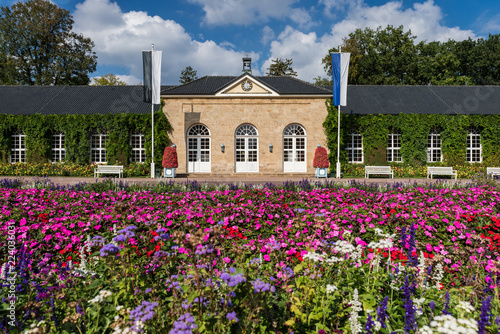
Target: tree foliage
[108, 80]
[188, 75]
[38, 46]
[281, 67]
[390, 56]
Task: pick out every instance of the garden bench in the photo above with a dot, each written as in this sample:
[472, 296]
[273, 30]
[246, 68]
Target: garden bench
[493, 171]
[107, 169]
[378, 170]
[441, 171]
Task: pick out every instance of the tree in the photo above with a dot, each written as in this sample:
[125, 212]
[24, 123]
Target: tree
[319, 81]
[281, 67]
[188, 75]
[108, 80]
[38, 43]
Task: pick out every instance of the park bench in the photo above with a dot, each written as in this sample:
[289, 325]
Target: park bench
[431, 171]
[108, 169]
[378, 170]
[493, 171]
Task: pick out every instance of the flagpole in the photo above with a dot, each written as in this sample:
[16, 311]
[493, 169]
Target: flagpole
[337, 169]
[152, 122]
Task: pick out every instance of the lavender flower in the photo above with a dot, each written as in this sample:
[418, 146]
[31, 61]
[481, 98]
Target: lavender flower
[125, 234]
[410, 321]
[232, 316]
[141, 314]
[97, 240]
[184, 325]
[484, 317]
[260, 286]
[109, 249]
[382, 312]
[432, 305]
[446, 304]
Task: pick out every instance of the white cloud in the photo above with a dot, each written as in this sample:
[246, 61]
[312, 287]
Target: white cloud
[307, 49]
[267, 34]
[243, 12]
[120, 37]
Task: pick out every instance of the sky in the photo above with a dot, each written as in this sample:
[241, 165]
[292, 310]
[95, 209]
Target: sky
[212, 36]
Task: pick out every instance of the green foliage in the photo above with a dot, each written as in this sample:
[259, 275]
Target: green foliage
[78, 130]
[281, 67]
[39, 47]
[414, 130]
[108, 80]
[390, 57]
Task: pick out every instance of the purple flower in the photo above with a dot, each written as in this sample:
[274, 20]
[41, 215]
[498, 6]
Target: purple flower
[446, 304]
[382, 312]
[125, 234]
[369, 324]
[143, 312]
[97, 240]
[484, 317]
[109, 249]
[432, 305]
[260, 286]
[184, 325]
[410, 321]
[232, 316]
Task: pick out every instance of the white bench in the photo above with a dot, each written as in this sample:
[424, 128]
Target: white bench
[108, 169]
[378, 170]
[493, 171]
[441, 171]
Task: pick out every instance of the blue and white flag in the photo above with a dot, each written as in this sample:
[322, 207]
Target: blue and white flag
[340, 69]
[151, 62]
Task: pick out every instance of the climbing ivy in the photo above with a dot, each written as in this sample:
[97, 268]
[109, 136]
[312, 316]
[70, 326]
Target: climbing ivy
[414, 130]
[78, 129]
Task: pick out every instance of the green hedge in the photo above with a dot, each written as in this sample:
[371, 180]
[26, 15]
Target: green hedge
[78, 129]
[414, 130]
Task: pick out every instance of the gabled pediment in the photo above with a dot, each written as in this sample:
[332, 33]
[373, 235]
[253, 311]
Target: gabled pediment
[246, 85]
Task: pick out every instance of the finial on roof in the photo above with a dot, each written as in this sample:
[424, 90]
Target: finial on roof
[247, 64]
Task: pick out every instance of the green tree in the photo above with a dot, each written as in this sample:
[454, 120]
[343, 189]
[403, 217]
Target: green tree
[319, 81]
[281, 67]
[108, 80]
[188, 75]
[39, 44]
[379, 57]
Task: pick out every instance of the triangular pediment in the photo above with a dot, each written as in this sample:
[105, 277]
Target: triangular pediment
[246, 85]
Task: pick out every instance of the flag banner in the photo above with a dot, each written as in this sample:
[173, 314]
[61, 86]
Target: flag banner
[340, 71]
[151, 65]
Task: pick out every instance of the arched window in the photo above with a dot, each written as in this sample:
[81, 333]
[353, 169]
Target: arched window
[198, 149]
[474, 148]
[246, 149]
[294, 149]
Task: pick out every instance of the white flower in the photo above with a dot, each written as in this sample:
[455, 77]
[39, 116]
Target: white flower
[330, 288]
[119, 307]
[466, 306]
[356, 307]
[438, 276]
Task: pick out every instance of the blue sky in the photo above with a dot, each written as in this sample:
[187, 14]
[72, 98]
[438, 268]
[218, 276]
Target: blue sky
[213, 35]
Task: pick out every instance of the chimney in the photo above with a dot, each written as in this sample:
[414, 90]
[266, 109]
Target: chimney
[247, 64]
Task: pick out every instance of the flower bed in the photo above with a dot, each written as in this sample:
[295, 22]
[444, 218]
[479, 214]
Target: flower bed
[251, 260]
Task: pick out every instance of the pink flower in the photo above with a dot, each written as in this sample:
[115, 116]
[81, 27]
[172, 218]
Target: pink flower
[226, 259]
[97, 227]
[267, 258]
[47, 237]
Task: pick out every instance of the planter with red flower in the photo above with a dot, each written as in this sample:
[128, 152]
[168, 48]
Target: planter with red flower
[170, 161]
[321, 162]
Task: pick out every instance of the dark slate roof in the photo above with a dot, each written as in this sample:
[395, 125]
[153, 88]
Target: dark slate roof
[80, 100]
[452, 100]
[210, 85]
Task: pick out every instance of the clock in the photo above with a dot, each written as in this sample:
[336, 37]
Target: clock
[246, 86]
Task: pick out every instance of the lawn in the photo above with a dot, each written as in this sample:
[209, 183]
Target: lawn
[303, 258]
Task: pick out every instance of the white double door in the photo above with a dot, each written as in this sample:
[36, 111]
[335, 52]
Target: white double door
[246, 154]
[199, 155]
[294, 154]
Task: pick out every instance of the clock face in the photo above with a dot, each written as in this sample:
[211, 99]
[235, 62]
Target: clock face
[246, 85]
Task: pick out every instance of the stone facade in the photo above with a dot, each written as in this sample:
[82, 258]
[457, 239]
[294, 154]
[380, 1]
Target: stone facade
[223, 115]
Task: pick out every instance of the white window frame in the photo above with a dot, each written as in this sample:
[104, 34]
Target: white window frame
[97, 150]
[472, 136]
[294, 149]
[434, 146]
[199, 149]
[353, 148]
[248, 135]
[392, 148]
[58, 147]
[138, 153]
[18, 147]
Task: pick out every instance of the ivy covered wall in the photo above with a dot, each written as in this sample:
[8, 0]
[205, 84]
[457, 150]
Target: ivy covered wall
[78, 130]
[414, 130]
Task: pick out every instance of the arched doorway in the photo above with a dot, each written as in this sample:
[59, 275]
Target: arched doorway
[294, 149]
[198, 149]
[246, 149]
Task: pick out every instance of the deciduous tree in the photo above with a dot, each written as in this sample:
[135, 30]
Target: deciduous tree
[38, 42]
[108, 80]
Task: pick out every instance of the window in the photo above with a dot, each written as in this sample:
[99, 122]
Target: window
[98, 148]
[198, 149]
[474, 146]
[394, 148]
[58, 147]
[294, 149]
[434, 147]
[246, 153]
[355, 148]
[18, 153]
[138, 150]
